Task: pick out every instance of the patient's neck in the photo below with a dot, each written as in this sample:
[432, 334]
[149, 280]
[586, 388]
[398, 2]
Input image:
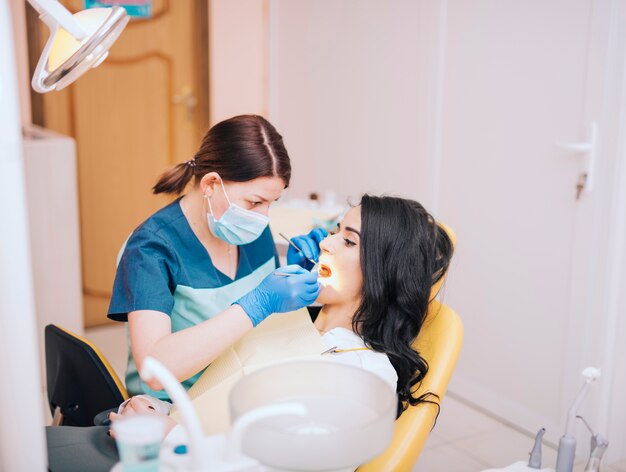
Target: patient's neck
[336, 316]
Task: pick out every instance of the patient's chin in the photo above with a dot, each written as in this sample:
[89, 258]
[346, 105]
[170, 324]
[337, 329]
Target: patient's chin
[327, 295]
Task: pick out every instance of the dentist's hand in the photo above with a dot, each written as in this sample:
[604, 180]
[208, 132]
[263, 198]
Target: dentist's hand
[309, 244]
[279, 293]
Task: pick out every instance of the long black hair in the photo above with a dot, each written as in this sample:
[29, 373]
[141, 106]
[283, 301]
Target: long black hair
[403, 253]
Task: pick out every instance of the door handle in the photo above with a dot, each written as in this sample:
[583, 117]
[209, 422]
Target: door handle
[589, 150]
[186, 98]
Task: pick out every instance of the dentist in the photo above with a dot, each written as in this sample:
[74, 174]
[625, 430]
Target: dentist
[199, 273]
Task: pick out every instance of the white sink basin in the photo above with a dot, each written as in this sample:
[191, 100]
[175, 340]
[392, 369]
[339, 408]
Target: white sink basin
[349, 421]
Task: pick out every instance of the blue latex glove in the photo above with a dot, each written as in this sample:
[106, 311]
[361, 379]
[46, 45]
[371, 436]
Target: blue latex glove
[309, 244]
[279, 293]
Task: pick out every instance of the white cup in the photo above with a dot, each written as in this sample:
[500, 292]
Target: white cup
[138, 439]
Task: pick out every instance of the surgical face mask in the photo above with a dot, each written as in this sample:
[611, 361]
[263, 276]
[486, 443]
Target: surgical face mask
[237, 225]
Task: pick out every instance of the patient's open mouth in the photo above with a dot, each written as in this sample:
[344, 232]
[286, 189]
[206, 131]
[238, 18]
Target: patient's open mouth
[325, 271]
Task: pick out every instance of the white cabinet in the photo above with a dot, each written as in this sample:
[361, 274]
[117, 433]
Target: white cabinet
[50, 173]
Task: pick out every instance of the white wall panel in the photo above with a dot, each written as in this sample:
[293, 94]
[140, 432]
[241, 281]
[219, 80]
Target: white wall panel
[238, 58]
[344, 92]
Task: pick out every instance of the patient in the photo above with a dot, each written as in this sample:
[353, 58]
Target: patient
[380, 266]
[377, 271]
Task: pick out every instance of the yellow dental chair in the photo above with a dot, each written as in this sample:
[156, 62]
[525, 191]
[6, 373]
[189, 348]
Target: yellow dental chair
[439, 342]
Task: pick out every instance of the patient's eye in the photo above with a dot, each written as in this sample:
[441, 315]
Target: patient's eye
[349, 242]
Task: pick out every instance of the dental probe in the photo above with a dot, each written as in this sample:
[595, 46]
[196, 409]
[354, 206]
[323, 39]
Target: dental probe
[297, 249]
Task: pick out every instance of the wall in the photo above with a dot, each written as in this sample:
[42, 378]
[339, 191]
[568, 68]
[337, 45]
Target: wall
[238, 55]
[344, 92]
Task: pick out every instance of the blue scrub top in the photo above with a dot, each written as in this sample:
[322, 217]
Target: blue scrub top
[164, 267]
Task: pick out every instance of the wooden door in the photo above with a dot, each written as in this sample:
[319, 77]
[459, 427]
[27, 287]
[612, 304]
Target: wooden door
[132, 117]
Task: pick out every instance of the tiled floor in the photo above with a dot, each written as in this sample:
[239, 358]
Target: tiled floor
[464, 440]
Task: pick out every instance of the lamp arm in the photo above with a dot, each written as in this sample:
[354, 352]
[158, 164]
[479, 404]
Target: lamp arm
[53, 13]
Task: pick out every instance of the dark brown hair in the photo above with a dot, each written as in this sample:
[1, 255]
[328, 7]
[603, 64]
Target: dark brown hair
[239, 149]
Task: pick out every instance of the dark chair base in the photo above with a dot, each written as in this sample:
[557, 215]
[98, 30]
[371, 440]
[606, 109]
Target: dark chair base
[80, 449]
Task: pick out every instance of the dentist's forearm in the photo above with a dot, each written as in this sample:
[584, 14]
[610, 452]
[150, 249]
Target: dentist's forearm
[190, 350]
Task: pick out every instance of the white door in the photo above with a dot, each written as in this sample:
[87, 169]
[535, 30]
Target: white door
[461, 104]
[518, 79]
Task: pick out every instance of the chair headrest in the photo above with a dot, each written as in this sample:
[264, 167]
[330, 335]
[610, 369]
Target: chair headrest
[452, 235]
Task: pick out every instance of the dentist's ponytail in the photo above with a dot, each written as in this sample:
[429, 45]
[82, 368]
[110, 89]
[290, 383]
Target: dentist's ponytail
[175, 180]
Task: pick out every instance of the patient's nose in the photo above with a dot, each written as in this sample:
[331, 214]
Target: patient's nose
[326, 245]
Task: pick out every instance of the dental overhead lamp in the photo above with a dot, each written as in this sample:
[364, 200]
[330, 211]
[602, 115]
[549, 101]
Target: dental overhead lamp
[76, 44]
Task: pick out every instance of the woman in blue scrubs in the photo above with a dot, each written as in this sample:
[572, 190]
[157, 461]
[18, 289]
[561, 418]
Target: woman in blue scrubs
[199, 273]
